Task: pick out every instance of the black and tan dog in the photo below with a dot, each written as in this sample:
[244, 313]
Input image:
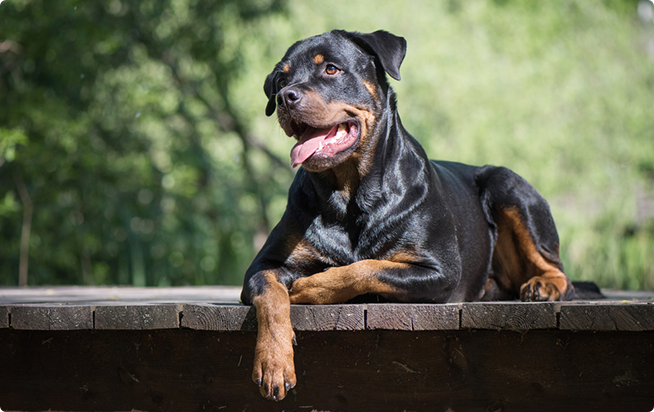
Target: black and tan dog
[369, 214]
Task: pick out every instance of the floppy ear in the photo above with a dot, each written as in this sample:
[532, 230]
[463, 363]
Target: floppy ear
[389, 48]
[270, 88]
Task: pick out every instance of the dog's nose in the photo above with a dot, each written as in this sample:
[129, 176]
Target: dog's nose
[289, 97]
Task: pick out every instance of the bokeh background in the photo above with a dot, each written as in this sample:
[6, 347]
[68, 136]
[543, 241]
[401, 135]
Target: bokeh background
[134, 148]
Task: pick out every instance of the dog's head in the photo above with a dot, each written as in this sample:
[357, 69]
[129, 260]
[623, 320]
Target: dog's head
[329, 91]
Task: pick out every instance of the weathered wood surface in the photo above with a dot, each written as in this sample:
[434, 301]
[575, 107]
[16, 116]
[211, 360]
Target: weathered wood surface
[413, 317]
[217, 308]
[509, 315]
[303, 317]
[626, 317]
[118, 349]
[381, 370]
[51, 317]
[4, 317]
[137, 317]
[516, 316]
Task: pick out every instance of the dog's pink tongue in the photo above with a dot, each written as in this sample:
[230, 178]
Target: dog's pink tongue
[310, 142]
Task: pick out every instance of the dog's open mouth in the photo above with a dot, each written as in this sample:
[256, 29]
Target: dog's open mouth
[326, 141]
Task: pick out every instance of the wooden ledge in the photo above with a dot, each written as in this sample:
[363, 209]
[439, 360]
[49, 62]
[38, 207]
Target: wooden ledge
[191, 308]
[191, 349]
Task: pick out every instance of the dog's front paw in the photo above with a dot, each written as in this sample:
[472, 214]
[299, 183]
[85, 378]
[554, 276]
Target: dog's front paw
[312, 290]
[303, 291]
[274, 370]
[540, 288]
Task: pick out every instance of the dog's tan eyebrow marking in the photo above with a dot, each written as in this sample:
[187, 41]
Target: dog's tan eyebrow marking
[287, 68]
[319, 59]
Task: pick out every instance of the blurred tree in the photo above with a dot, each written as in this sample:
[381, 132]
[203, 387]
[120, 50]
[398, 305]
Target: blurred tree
[123, 158]
[128, 126]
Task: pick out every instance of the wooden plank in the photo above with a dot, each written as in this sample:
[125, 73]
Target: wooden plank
[219, 317]
[599, 316]
[517, 316]
[4, 317]
[303, 317]
[381, 370]
[392, 316]
[327, 317]
[52, 317]
[137, 317]
[86, 294]
[608, 317]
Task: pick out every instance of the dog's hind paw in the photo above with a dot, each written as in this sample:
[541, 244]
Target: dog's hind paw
[544, 288]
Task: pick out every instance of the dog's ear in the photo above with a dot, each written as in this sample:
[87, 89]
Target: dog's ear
[389, 48]
[270, 87]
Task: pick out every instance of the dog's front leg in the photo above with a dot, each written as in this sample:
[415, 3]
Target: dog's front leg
[380, 277]
[274, 370]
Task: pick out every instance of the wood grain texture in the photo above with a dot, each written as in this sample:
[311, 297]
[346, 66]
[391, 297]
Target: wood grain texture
[512, 316]
[303, 317]
[608, 317]
[188, 370]
[4, 317]
[52, 317]
[137, 317]
[413, 317]
[219, 317]
[596, 315]
[327, 317]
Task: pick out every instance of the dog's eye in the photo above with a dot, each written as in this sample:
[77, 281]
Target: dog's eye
[331, 70]
[281, 83]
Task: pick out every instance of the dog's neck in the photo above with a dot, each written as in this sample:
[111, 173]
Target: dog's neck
[345, 178]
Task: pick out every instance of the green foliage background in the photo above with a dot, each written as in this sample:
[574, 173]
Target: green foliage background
[137, 130]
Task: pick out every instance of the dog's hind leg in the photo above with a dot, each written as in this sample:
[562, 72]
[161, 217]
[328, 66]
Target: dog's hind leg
[526, 253]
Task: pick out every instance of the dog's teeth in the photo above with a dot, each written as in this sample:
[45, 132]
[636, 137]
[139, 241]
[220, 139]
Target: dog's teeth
[342, 127]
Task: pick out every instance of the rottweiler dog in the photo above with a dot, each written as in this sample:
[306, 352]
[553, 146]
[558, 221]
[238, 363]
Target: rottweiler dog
[369, 214]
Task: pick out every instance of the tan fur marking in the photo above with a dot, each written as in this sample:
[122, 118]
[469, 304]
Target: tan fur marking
[346, 178]
[340, 284]
[287, 68]
[520, 262]
[404, 256]
[506, 253]
[319, 59]
[300, 251]
[372, 89]
[273, 357]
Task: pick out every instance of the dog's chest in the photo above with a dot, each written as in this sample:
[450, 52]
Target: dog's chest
[351, 239]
